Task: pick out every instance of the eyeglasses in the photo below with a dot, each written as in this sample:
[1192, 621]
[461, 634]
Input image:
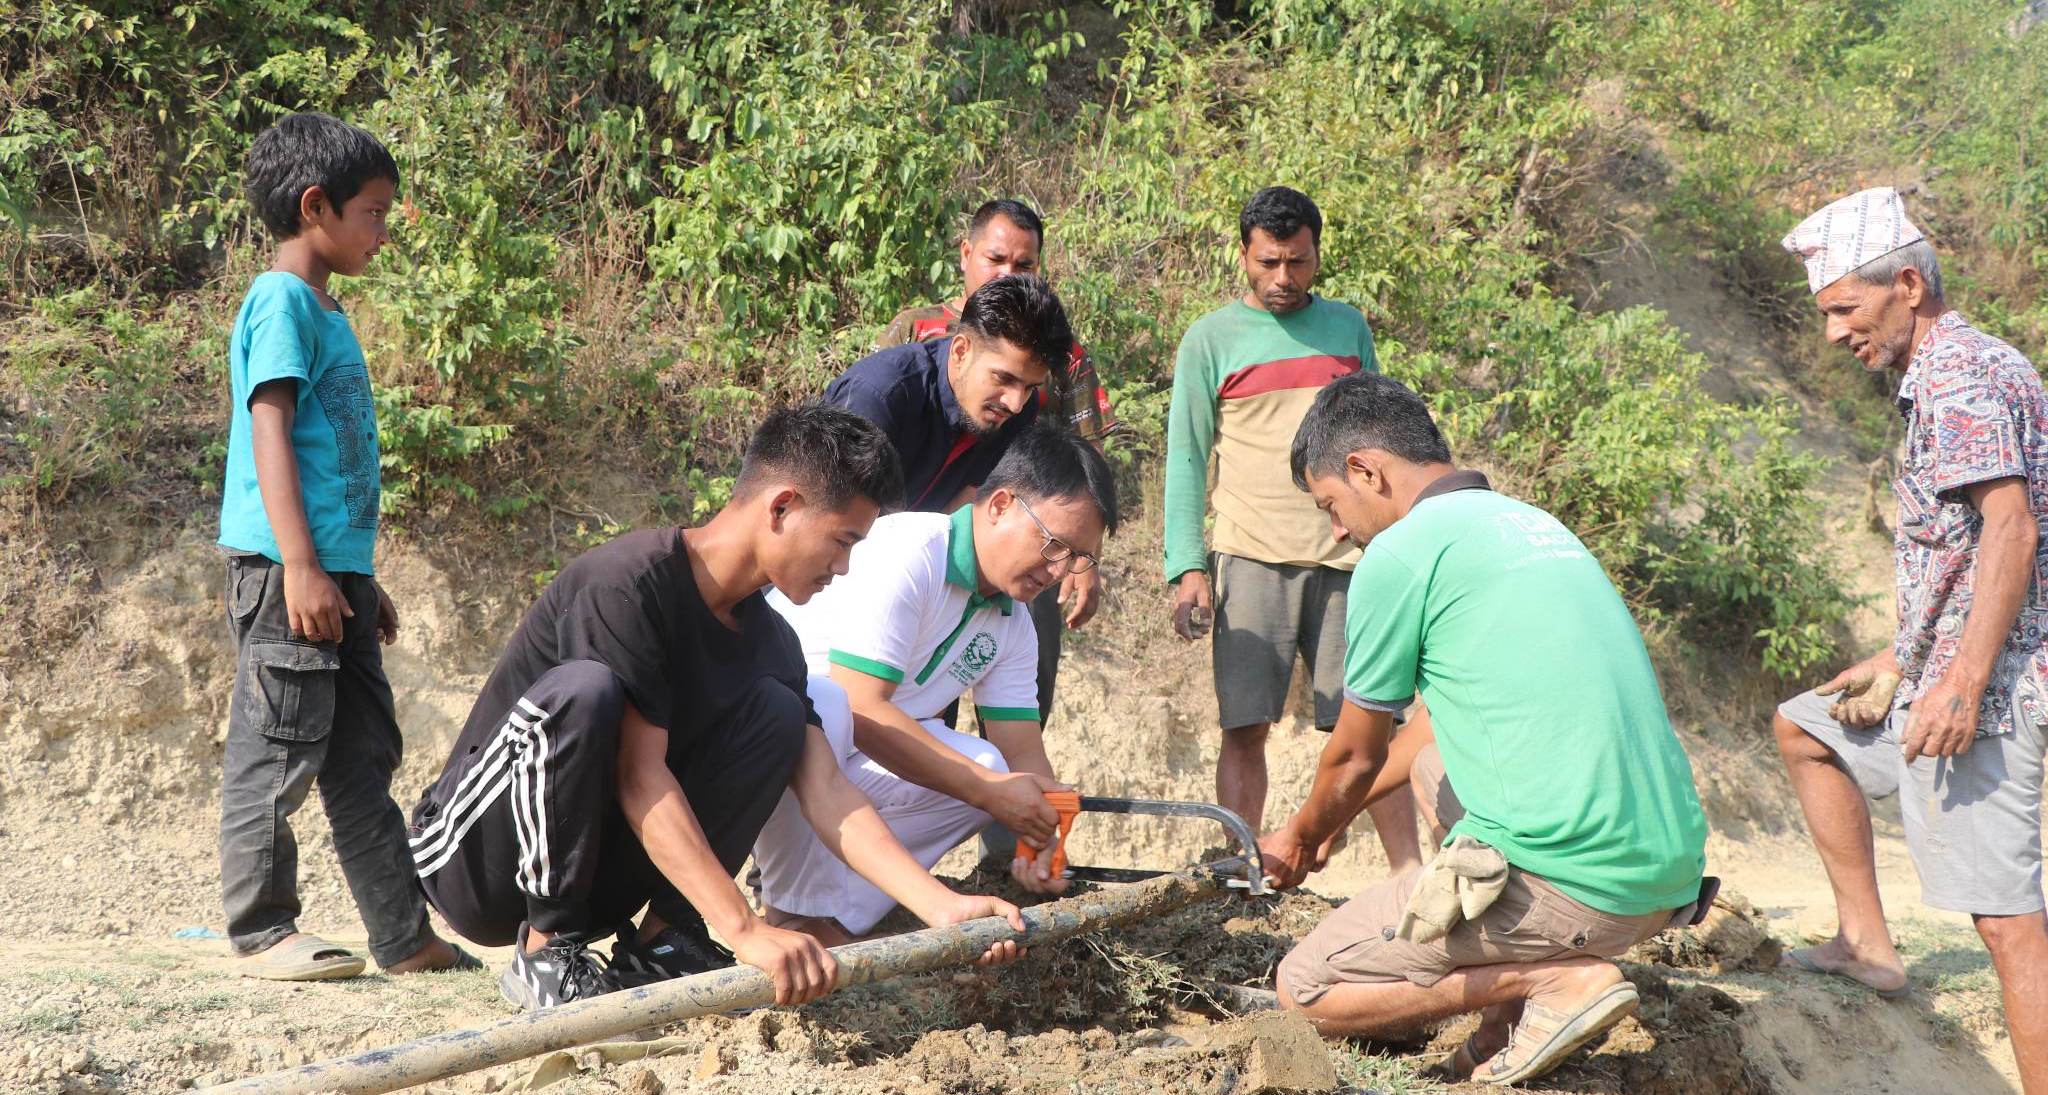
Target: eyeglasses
[1055, 550]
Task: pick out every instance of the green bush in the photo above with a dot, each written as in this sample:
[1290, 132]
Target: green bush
[467, 288]
[637, 222]
[825, 140]
[88, 381]
[1419, 155]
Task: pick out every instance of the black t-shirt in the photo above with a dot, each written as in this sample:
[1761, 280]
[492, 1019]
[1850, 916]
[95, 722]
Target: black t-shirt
[633, 605]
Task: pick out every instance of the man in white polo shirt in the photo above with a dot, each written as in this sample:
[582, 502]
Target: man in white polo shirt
[932, 607]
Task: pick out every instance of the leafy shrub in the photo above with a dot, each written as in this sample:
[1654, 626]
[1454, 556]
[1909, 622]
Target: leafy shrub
[829, 138]
[694, 210]
[467, 289]
[89, 380]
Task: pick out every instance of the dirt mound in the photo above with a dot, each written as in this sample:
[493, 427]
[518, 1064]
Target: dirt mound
[1261, 1054]
[1734, 936]
[1173, 968]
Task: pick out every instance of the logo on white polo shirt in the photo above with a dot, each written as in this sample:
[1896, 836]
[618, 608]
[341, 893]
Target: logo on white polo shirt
[975, 657]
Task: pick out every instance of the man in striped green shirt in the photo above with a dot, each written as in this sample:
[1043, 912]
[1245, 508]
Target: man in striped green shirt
[1245, 375]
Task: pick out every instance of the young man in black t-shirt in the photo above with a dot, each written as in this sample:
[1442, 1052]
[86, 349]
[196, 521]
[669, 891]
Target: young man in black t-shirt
[644, 722]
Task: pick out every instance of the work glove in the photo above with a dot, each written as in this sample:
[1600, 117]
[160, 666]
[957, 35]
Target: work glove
[1461, 883]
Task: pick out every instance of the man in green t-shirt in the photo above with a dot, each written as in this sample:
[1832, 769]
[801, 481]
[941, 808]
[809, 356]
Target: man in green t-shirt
[1571, 827]
[1243, 377]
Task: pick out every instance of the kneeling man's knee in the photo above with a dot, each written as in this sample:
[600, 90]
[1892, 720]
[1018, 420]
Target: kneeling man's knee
[775, 719]
[1301, 980]
[990, 757]
[590, 687]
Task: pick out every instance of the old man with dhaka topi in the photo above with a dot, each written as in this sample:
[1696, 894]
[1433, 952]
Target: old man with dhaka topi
[1950, 716]
[1560, 796]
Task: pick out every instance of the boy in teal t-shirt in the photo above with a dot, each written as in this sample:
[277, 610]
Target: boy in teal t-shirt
[1570, 824]
[299, 523]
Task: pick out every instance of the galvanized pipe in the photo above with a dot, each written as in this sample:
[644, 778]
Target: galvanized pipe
[614, 1014]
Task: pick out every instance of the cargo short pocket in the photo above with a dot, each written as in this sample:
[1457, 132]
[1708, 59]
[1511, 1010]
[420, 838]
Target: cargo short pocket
[1582, 930]
[246, 579]
[288, 689]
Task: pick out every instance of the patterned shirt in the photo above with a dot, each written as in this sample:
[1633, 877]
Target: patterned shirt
[1076, 399]
[1975, 411]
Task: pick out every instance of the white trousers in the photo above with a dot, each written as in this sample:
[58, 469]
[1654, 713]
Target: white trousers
[800, 875]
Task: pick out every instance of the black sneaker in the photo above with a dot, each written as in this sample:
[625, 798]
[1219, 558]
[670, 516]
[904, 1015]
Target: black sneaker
[678, 950]
[563, 970]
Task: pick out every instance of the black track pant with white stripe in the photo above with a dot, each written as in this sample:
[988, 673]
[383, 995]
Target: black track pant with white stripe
[527, 826]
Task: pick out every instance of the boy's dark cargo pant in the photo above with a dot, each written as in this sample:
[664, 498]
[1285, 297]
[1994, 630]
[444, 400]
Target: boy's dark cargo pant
[303, 713]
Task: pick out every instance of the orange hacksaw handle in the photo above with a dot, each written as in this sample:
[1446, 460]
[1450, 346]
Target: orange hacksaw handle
[1068, 805]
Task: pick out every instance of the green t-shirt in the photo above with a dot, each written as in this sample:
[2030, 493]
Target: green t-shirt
[1547, 713]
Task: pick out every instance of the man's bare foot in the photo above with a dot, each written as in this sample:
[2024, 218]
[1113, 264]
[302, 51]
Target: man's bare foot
[1877, 968]
[436, 955]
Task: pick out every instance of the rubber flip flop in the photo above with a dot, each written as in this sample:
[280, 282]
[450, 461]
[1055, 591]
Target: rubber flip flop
[1545, 1037]
[1794, 960]
[304, 958]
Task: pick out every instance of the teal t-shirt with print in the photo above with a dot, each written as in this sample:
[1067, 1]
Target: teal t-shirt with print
[284, 333]
[1547, 712]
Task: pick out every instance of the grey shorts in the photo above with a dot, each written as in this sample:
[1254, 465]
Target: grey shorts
[1266, 613]
[1973, 822]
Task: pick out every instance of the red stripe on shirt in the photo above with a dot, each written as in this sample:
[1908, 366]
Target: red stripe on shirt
[1313, 371]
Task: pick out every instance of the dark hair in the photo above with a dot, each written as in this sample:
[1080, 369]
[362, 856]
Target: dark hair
[1364, 411]
[1010, 209]
[1047, 461]
[832, 454]
[308, 150]
[1281, 212]
[1022, 310]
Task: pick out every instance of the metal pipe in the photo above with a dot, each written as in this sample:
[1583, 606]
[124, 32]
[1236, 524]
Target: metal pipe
[613, 1014]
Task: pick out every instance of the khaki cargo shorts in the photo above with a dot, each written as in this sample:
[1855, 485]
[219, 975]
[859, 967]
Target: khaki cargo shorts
[1531, 921]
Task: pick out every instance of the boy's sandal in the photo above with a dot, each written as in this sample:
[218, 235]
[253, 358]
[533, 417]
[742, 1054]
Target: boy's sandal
[1545, 1037]
[302, 958]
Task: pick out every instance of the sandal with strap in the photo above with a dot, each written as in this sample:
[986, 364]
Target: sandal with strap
[1545, 1037]
[302, 958]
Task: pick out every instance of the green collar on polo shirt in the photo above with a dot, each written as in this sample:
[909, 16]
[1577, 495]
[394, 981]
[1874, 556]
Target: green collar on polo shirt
[961, 569]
